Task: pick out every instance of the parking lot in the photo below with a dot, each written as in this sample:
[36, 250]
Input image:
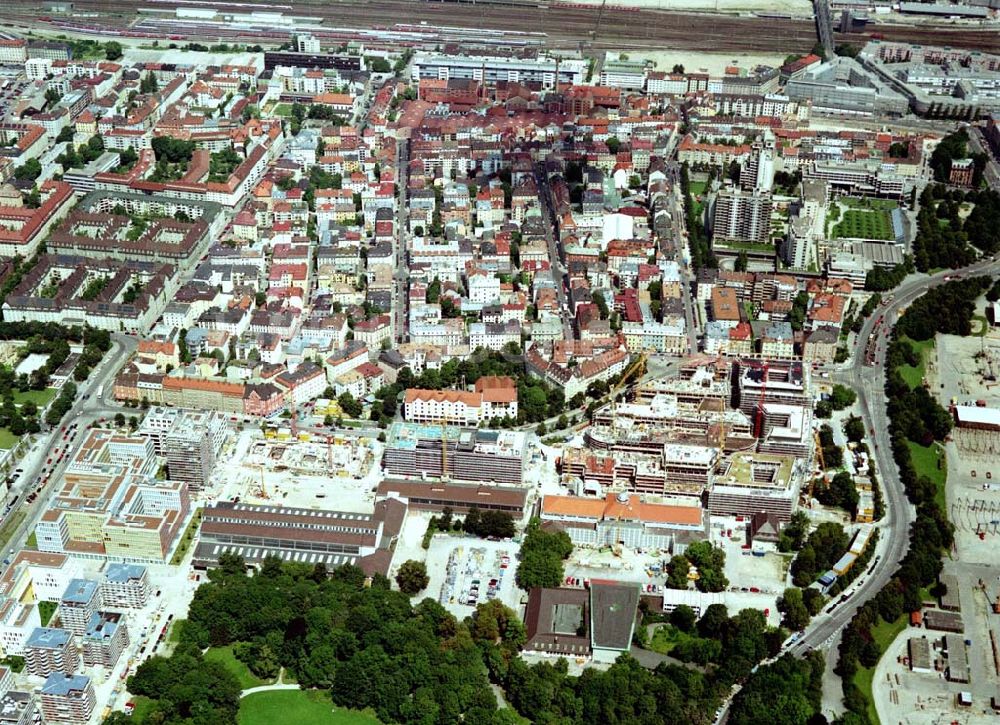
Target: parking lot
[465, 571]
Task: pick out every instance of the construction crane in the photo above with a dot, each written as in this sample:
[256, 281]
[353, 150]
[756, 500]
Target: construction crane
[263, 488]
[822, 465]
[635, 366]
[444, 452]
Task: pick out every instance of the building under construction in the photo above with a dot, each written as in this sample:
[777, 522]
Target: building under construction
[461, 454]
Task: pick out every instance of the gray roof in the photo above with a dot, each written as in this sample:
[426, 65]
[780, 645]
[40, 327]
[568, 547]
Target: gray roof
[59, 684]
[48, 638]
[612, 615]
[80, 591]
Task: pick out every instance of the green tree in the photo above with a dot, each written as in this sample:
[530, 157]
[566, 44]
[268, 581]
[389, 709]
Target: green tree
[412, 577]
[683, 617]
[677, 572]
[792, 607]
[112, 50]
[542, 555]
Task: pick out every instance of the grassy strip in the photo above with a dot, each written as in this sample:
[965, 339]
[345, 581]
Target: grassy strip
[187, 539]
[883, 633]
[931, 462]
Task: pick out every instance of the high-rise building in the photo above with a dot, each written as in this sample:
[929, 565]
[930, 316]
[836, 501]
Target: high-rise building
[307, 43]
[79, 602]
[125, 586]
[49, 650]
[104, 640]
[191, 444]
[742, 216]
[68, 699]
[758, 173]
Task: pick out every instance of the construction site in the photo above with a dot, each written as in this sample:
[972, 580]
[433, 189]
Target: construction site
[308, 471]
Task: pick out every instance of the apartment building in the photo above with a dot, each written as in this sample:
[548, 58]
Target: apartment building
[125, 586]
[78, 604]
[50, 650]
[105, 639]
[68, 699]
[494, 397]
[742, 216]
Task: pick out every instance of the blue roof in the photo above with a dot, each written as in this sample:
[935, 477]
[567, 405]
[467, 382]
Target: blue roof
[121, 573]
[80, 591]
[99, 627]
[48, 638]
[59, 684]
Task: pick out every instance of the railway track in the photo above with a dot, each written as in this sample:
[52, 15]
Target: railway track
[571, 26]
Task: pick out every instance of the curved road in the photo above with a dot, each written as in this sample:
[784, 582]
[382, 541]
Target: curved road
[868, 381]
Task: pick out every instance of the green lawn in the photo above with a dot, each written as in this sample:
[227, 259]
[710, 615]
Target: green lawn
[174, 634]
[225, 655]
[282, 109]
[8, 439]
[46, 610]
[665, 638]
[914, 376]
[16, 517]
[292, 707]
[859, 224]
[32, 542]
[867, 203]
[143, 706]
[927, 462]
[40, 398]
[883, 633]
[187, 539]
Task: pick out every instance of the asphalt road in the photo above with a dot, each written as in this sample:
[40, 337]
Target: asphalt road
[93, 402]
[868, 381]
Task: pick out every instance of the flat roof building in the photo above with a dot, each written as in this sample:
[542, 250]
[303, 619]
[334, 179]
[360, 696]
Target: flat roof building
[459, 497]
[68, 699]
[496, 456]
[49, 650]
[307, 536]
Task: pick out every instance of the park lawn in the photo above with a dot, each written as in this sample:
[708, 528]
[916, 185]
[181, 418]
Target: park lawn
[7, 439]
[143, 706]
[282, 109]
[225, 656]
[46, 610]
[883, 633]
[914, 375]
[926, 461]
[174, 635]
[858, 224]
[41, 398]
[291, 707]
[665, 638]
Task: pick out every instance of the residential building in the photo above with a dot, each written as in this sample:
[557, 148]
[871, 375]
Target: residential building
[125, 586]
[742, 216]
[105, 639]
[68, 699]
[50, 650]
[78, 604]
